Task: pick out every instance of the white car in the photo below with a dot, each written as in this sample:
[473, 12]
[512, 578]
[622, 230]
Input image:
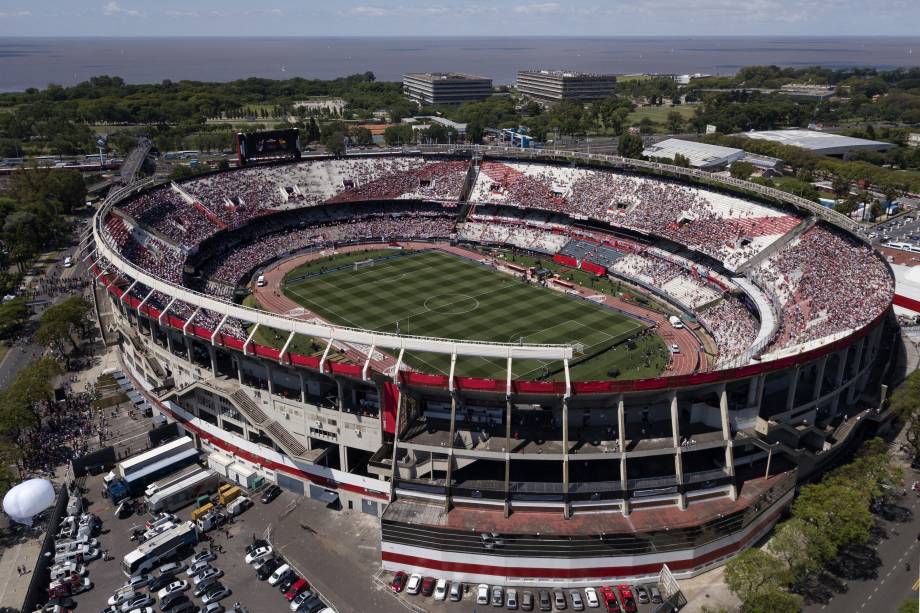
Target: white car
[208, 573]
[414, 585]
[173, 588]
[482, 594]
[122, 595]
[280, 573]
[440, 590]
[258, 554]
[591, 598]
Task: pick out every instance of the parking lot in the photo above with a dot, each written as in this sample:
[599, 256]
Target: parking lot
[904, 229]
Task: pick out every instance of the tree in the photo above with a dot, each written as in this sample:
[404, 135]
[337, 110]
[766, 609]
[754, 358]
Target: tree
[772, 601]
[33, 383]
[681, 160]
[675, 122]
[400, 134]
[742, 170]
[13, 314]
[630, 145]
[801, 547]
[841, 187]
[59, 321]
[839, 509]
[754, 572]
[333, 139]
[361, 137]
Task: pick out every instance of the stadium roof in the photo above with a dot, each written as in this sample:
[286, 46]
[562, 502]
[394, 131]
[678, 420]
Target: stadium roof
[701, 155]
[823, 143]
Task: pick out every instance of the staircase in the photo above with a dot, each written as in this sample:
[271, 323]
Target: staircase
[249, 408]
[468, 183]
[782, 241]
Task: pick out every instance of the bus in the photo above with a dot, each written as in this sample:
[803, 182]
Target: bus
[157, 549]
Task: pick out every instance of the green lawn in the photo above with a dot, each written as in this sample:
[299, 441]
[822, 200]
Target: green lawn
[659, 114]
[436, 294]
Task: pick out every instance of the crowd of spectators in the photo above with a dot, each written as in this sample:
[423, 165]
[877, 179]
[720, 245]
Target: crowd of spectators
[66, 431]
[166, 212]
[828, 284]
[733, 327]
[442, 181]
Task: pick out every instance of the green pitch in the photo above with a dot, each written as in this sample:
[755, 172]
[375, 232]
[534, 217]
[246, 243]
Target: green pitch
[433, 293]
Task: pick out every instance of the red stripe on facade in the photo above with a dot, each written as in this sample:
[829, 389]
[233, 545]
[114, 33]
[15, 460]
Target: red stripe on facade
[907, 303]
[578, 573]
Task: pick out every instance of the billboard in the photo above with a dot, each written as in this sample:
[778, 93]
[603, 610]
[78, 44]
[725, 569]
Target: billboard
[268, 144]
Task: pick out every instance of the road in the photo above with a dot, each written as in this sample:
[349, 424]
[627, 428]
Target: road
[894, 583]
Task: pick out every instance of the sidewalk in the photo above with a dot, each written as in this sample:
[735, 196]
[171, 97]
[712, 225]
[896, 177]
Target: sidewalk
[13, 586]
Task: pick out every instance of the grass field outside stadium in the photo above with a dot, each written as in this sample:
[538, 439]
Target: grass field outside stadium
[433, 293]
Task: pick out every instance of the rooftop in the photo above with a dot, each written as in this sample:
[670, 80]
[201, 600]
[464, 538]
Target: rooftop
[701, 155]
[570, 74]
[825, 143]
[445, 76]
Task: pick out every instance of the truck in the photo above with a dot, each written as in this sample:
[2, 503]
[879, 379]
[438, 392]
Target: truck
[131, 477]
[180, 494]
[172, 479]
[226, 495]
[210, 520]
[68, 586]
[202, 511]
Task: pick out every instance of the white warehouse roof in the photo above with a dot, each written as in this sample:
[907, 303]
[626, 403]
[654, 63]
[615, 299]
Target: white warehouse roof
[823, 143]
[701, 155]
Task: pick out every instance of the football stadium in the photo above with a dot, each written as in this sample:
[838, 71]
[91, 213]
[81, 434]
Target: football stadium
[533, 366]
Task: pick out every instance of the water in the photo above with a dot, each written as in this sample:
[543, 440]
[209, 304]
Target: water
[35, 62]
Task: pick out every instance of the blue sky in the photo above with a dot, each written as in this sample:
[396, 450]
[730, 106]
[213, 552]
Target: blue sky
[457, 17]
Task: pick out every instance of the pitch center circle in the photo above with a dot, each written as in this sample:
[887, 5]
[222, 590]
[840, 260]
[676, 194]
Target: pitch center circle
[451, 304]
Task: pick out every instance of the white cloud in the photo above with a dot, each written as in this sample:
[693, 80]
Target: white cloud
[5, 14]
[114, 9]
[367, 11]
[545, 8]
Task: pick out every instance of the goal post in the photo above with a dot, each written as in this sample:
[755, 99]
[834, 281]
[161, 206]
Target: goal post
[363, 264]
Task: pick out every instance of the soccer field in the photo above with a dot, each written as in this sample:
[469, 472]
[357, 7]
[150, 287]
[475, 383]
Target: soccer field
[432, 293]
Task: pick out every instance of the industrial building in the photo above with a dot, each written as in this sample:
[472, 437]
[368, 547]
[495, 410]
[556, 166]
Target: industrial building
[822, 143]
[445, 87]
[557, 85]
[701, 155]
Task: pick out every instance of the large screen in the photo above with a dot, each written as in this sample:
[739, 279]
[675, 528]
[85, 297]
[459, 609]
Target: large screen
[268, 144]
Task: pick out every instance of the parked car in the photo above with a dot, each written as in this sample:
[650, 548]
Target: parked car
[160, 582]
[440, 589]
[256, 544]
[455, 593]
[626, 597]
[203, 587]
[121, 595]
[285, 584]
[559, 600]
[545, 602]
[578, 602]
[427, 586]
[196, 567]
[642, 594]
[655, 594]
[179, 604]
[203, 556]
[295, 589]
[270, 493]
[415, 584]
[207, 573]
[173, 568]
[498, 596]
[591, 598]
[511, 599]
[137, 581]
[527, 600]
[218, 592]
[214, 607]
[398, 583]
[173, 588]
[300, 599]
[138, 601]
[258, 554]
[265, 571]
[280, 574]
[482, 594]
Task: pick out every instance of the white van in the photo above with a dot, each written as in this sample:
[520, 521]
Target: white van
[260, 282]
[676, 323]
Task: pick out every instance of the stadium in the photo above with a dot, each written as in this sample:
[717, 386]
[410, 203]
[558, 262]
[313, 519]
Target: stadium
[533, 366]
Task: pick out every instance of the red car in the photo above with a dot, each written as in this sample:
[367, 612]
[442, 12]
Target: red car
[296, 588]
[427, 586]
[398, 583]
[610, 599]
[626, 595]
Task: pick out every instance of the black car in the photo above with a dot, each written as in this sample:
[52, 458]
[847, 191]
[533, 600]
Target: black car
[265, 571]
[286, 584]
[271, 492]
[179, 604]
[160, 582]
